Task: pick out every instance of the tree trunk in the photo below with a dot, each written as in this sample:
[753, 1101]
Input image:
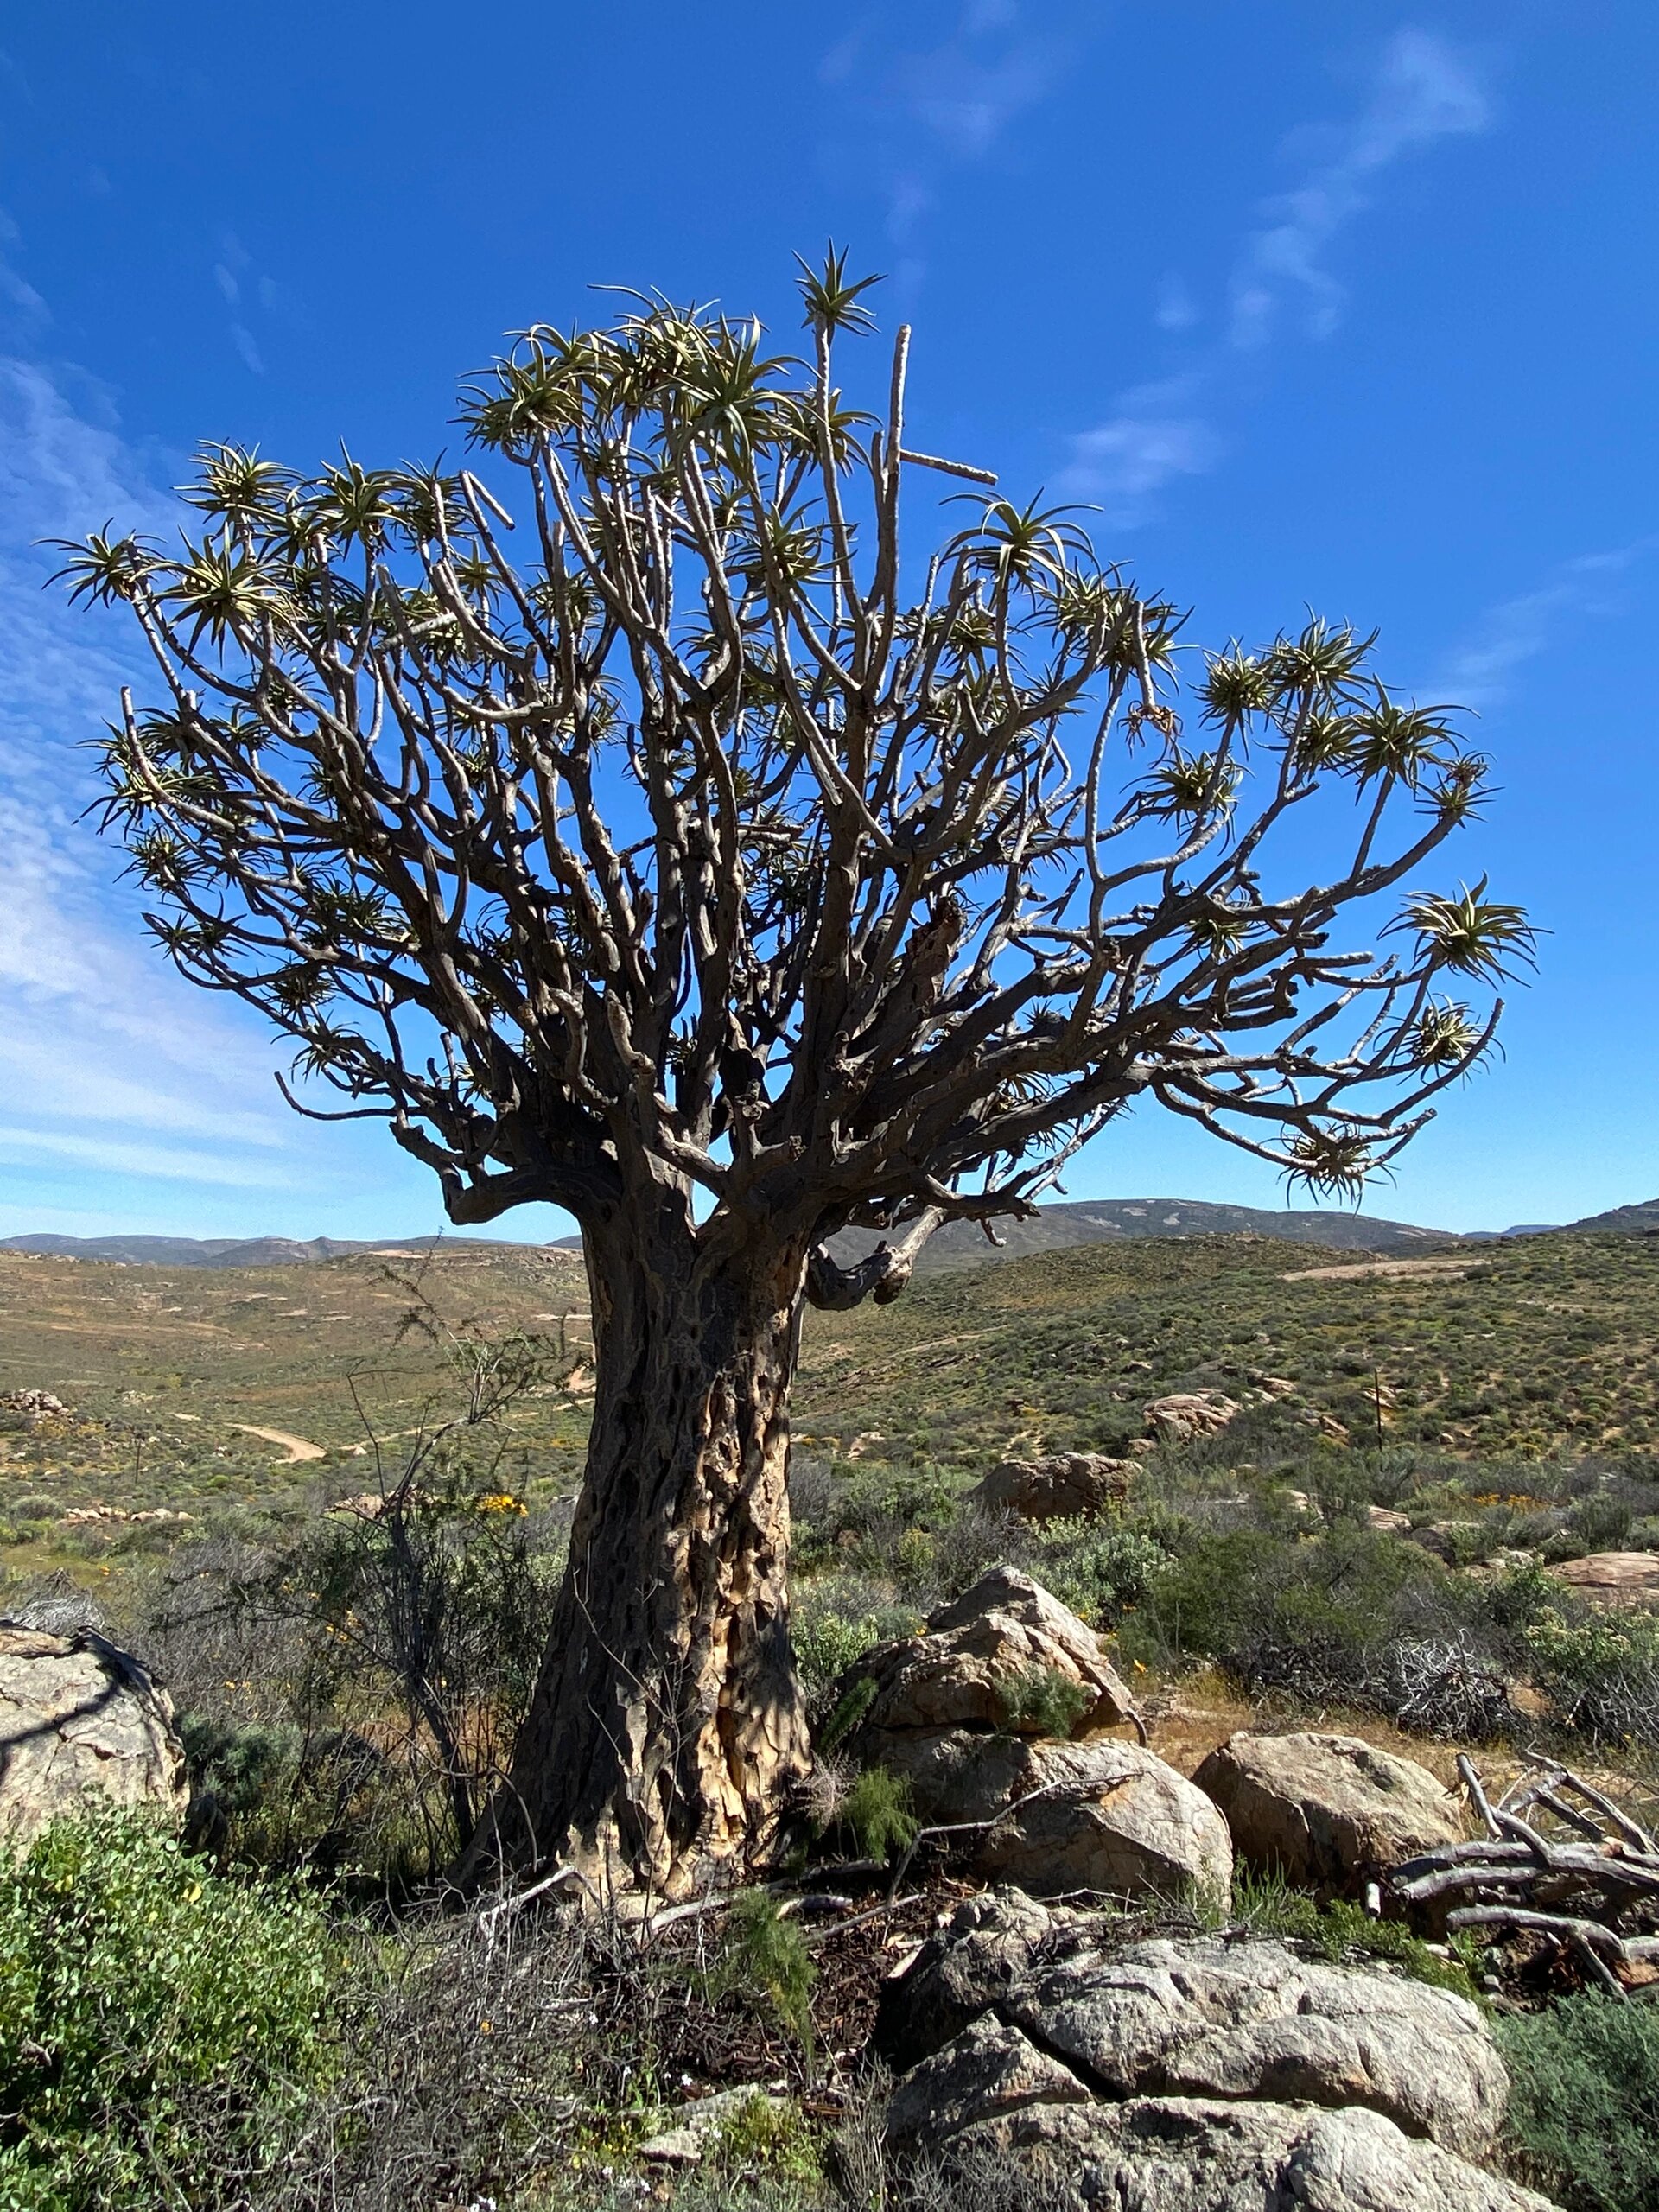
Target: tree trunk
[667, 1725]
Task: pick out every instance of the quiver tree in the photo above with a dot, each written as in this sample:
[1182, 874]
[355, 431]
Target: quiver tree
[638, 833]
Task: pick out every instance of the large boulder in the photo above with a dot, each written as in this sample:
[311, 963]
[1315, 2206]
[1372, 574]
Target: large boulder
[1184, 1413]
[1110, 1817]
[955, 1775]
[1189, 2154]
[1613, 1577]
[1209, 2016]
[965, 1968]
[1328, 1812]
[81, 1724]
[1065, 1485]
[1103, 1815]
[1187, 2074]
[960, 1671]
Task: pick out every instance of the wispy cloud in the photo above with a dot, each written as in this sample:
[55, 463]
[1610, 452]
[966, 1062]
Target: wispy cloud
[1176, 310]
[909, 114]
[1155, 436]
[240, 290]
[114, 1155]
[112, 1067]
[1480, 670]
[1423, 90]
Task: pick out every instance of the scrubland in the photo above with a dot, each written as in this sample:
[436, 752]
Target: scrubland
[1368, 1543]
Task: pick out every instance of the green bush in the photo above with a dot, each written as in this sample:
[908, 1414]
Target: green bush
[1040, 1700]
[1602, 1676]
[876, 1814]
[769, 2138]
[1584, 2101]
[1269, 1905]
[761, 1950]
[159, 2023]
[837, 1622]
[1098, 1569]
[851, 1709]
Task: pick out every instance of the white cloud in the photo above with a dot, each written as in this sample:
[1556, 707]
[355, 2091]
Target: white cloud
[242, 339]
[1479, 671]
[1155, 435]
[114, 1155]
[1424, 92]
[1176, 310]
[110, 1060]
[966, 99]
[905, 115]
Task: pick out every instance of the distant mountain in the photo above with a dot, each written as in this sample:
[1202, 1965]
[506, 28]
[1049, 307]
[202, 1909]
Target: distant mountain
[1099, 1220]
[221, 1251]
[962, 1243]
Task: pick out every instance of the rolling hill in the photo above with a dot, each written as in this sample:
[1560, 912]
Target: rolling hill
[1101, 1221]
[1053, 1228]
[232, 1251]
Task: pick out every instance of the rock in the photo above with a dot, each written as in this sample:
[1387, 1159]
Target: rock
[1065, 1485]
[956, 1672]
[1275, 1386]
[1329, 1812]
[1111, 1816]
[80, 1722]
[1384, 1517]
[84, 1516]
[695, 2127]
[34, 1405]
[1189, 2154]
[964, 1969]
[1114, 1819]
[955, 1774]
[1206, 2015]
[1613, 1577]
[1190, 1413]
[985, 2073]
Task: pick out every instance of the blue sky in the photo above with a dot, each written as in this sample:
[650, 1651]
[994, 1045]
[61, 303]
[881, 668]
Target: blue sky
[1349, 307]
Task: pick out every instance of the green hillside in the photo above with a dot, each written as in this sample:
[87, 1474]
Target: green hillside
[1521, 1348]
[1541, 1345]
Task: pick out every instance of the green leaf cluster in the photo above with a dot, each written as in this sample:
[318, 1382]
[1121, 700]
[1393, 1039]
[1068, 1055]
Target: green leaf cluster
[1584, 2101]
[160, 2022]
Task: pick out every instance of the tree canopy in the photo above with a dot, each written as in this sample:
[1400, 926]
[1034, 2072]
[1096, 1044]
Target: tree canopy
[644, 801]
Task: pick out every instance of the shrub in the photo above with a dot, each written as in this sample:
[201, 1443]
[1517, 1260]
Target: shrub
[1311, 1618]
[761, 1950]
[876, 1814]
[434, 1606]
[1040, 1700]
[1099, 1569]
[854, 1703]
[977, 1539]
[159, 2023]
[768, 2138]
[1584, 2101]
[835, 1622]
[1602, 1676]
[1269, 1905]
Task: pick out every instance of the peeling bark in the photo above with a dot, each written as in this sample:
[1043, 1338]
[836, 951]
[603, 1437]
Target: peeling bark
[667, 1722]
